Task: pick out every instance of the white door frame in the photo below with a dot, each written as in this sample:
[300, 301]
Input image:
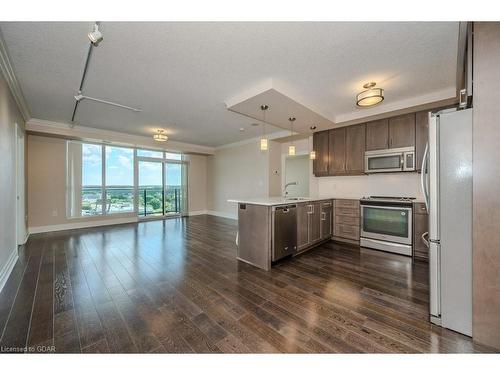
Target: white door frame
[21, 230]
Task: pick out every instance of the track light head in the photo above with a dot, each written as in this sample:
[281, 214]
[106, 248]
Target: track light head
[95, 36]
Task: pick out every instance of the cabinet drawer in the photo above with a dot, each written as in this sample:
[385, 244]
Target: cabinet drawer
[346, 203]
[347, 211]
[347, 220]
[347, 231]
[419, 209]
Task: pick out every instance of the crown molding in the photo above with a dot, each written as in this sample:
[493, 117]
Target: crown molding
[86, 133]
[12, 82]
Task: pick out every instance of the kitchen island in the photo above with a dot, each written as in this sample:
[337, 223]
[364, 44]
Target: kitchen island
[270, 229]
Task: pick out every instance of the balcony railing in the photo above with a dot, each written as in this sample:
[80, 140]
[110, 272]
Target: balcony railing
[152, 200]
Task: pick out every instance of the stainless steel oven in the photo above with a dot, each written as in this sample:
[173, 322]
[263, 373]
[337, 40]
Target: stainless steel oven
[390, 160]
[387, 225]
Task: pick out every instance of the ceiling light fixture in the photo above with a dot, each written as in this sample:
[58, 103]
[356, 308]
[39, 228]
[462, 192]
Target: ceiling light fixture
[371, 96]
[264, 142]
[160, 136]
[291, 148]
[95, 36]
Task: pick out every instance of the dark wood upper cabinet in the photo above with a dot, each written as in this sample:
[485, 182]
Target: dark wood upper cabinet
[377, 135]
[421, 136]
[355, 149]
[336, 151]
[320, 146]
[402, 131]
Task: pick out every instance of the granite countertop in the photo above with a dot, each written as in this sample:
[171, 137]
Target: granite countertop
[276, 201]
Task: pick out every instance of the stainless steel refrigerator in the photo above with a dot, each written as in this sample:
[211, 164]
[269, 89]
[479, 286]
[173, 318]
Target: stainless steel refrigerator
[447, 189]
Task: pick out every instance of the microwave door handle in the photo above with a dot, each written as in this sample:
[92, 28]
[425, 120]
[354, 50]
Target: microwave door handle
[423, 177]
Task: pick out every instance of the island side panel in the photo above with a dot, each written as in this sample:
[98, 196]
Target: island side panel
[254, 227]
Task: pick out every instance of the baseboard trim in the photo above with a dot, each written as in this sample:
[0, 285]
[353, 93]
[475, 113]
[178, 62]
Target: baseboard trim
[223, 214]
[195, 213]
[81, 224]
[7, 268]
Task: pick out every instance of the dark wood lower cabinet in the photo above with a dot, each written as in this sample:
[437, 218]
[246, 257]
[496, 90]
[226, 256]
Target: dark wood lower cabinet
[308, 224]
[346, 222]
[302, 226]
[326, 220]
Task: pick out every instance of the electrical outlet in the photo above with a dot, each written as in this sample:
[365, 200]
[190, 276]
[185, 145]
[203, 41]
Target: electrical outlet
[54, 213]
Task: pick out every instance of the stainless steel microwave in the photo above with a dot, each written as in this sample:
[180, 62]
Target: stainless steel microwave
[390, 160]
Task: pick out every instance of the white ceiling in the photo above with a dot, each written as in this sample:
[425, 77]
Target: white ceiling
[181, 74]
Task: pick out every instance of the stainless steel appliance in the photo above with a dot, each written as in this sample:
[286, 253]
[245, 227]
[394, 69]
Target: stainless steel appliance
[386, 224]
[447, 188]
[390, 160]
[284, 227]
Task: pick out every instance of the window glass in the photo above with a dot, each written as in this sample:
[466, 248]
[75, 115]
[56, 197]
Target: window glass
[150, 153]
[91, 193]
[119, 179]
[173, 156]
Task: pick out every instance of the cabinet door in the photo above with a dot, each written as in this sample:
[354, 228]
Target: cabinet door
[377, 135]
[326, 219]
[320, 146]
[302, 225]
[402, 131]
[315, 223]
[421, 136]
[336, 151]
[355, 149]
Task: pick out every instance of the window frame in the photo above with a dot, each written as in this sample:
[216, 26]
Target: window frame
[136, 159]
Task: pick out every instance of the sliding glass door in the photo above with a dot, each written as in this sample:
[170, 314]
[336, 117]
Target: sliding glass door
[162, 187]
[150, 189]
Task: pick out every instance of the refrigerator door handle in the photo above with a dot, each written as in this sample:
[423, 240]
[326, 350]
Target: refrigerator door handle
[423, 175]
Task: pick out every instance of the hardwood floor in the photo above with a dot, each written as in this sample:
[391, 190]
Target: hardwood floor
[175, 286]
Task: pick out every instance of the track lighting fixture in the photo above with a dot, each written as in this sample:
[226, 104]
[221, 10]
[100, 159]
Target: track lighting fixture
[95, 36]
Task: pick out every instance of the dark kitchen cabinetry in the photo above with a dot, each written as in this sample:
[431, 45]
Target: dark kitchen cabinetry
[355, 149]
[320, 146]
[326, 220]
[346, 220]
[308, 224]
[337, 151]
[377, 135]
[402, 131]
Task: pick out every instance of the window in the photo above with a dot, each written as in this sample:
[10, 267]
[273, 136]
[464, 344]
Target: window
[119, 179]
[101, 180]
[150, 154]
[91, 203]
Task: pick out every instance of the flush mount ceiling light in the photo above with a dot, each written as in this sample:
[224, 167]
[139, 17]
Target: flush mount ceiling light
[264, 142]
[371, 96]
[95, 36]
[160, 136]
[291, 148]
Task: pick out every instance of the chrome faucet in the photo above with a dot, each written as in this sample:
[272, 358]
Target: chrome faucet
[285, 192]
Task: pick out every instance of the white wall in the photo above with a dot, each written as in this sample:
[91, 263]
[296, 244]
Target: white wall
[197, 183]
[395, 184]
[9, 115]
[297, 170]
[239, 171]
